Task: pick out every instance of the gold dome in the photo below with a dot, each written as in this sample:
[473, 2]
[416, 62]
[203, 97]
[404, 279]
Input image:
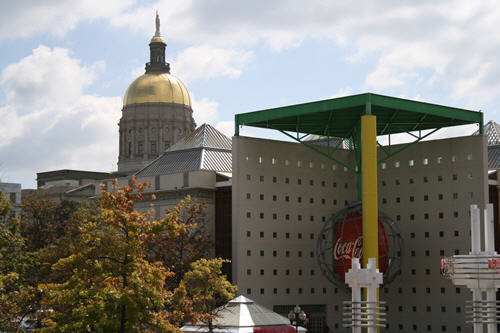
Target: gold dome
[157, 88]
[158, 39]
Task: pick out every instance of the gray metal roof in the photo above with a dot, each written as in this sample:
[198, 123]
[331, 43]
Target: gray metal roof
[204, 149]
[204, 136]
[494, 157]
[492, 131]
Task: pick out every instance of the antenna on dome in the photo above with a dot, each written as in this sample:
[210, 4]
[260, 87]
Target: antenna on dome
[157, 21]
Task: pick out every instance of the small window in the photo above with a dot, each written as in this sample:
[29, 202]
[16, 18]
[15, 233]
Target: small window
[261, 271]
[323, 183]
[411, 163]
[275, 179]
[249, 234]
[261, 197]
[441, 234]
[287, 290]
[311, 236]
[469, 157]
[439, 160]
[261, 234]
[275, 234]
[299, 164]
[275, 253]
[425, 161]
[260, 159]
[274, 161]
[440, 178]
[247, 158]
[456, 233]
[426, 180]
[261, 178]
[299, 235]
[412, 235]
[249, 291]
[426, 197]
[410, 180]
[334, 167]
[275, 272]
[249, 215]
[287, 272]
[287, 180]
[397, 164]
[299, 199]
[311, 182]
[454, 176]
[397, 181]
[311, 165]
[440, 196]
[412, 198]
[261, 253]
[287, 235]
[454, 158]
[275, 291]
[299, 217]
[322, 165]
[275, 197]
[455, 195]
[287, 162]
[275, 216]
[261, 291]
[249, 177]
[426, 234]
[249, 196]
[261, 215]
[469, 175]
[249, 253]
[249, 272]
[299, 181]
[383, 165]
[287, 198]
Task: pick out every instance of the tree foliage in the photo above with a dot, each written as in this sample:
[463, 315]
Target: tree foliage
[16, 295]
[180, 238]
[206, 288]
[113, 287]
[102, 266]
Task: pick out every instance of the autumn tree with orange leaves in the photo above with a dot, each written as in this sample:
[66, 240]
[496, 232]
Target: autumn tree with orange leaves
[116, 282]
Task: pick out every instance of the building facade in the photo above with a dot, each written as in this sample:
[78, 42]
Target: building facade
[284, 192]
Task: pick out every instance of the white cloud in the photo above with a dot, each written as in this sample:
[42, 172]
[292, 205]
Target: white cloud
[226, 127]
[204, 110]
[207, 61]
[33, 17]
[49, 121]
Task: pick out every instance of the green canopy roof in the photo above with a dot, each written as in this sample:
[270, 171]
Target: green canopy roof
[338, 117]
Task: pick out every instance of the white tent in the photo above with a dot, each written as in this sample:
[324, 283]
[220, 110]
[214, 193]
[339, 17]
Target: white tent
[242, 315]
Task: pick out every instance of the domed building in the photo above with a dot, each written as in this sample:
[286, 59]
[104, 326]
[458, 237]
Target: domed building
[156, 111]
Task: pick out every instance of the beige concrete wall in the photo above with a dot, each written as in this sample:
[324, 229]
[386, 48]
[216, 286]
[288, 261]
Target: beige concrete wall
[429, 201]
[172, 181]
[202, 178]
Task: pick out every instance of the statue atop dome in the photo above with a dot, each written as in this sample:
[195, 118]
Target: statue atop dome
[157, 32]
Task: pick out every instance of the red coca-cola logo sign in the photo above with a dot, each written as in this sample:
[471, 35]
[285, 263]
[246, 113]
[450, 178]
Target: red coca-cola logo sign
[348, 244]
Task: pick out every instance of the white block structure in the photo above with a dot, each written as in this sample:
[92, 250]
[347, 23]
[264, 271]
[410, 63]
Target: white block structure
[369, 313]
[479, 271]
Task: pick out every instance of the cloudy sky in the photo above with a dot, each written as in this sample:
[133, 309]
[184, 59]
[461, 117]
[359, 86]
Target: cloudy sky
[65, 65]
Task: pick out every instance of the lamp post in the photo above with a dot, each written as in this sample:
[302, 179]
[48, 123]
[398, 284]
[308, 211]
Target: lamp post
[297, 317]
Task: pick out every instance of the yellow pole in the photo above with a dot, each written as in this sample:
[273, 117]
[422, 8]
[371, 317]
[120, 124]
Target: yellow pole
[369, 187]
[369, 198]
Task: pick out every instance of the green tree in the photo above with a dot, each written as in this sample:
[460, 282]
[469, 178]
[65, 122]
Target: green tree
[113, 287]
[205, 290]
[16, 295]
[180, 238]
